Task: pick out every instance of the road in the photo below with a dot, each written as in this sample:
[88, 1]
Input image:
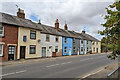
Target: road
[68, 67]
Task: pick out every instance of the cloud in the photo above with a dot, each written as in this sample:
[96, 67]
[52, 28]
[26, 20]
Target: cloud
[76, 13]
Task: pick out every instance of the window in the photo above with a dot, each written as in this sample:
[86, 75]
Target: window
[1, 30]
[65, 40]
[81, 48]
[57, 39]
[47, 37]
[65, 50]
[73, 49]
[93, 43]
[11, 50]
[96, 43]
[32, 34]
[56, 48]
[73, 40]
[1, 50]
[87, 49]
[94, 48]
[32, 49]
[81, 41]
[87, 42]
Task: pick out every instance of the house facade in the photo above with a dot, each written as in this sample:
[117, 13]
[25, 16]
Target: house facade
[8, 41]
[89, 46]
[67, 46]
[96, 47]
[76, 46]
[83, 46]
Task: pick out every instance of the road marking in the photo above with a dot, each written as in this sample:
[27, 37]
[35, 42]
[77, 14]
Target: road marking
[92, 73]
[52, 65]
[13, 73]
[66, 62]
[59, 64]
[86, 59]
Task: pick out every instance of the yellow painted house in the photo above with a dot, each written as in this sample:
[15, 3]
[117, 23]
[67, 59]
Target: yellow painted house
[96, 47]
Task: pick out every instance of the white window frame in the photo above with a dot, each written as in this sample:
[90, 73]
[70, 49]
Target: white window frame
[3, 31]
[1, 51]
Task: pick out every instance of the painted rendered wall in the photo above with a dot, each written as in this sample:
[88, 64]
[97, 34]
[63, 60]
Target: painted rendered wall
[84, 45]
[26, 32]
[69, 45]
[96, 46]
[52, 43]
[76, 45]
[89, 46]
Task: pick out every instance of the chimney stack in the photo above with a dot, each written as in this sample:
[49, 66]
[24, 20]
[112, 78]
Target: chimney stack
[21, 13]
[65, 27]
[57, 25]
[39, 22]
[83, 31]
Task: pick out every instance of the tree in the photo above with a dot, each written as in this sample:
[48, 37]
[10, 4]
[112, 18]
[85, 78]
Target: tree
[112, 29]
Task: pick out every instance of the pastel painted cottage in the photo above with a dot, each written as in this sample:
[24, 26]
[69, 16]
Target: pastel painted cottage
[21, 38]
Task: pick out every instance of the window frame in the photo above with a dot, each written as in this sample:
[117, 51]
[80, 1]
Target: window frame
[1, 50]
[34, 48]
[56, 47]
[2, 31]
[32, 33]
[82, 49]
[65, 40]
[57, 38]
[47, 35]
[82, 42]
[65, 49]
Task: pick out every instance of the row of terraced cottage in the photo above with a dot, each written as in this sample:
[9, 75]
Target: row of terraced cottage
[21, 38]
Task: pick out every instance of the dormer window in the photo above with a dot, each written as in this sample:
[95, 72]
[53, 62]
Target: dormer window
[1, 30]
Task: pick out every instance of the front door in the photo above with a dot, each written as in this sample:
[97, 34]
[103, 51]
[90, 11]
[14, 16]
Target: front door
[11, 52]
[22, 52]
[97, 50]
[70, 51]
[43, 51]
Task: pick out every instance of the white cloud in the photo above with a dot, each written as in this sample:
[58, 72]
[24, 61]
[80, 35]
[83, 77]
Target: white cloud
[76, 13]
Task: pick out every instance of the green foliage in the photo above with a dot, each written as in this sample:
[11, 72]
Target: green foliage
[112, 30]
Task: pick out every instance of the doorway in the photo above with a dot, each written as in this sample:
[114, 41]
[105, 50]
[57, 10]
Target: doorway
[43, 51]
[22, 52]
[97, 50]
[70, 51]
[11, 52]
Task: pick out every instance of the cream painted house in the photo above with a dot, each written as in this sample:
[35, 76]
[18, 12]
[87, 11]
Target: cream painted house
[28, 43]
[96, 47]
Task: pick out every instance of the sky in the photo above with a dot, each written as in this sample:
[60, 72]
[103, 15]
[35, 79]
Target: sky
[79, 15]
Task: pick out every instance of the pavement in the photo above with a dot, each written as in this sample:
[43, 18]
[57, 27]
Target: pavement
[59, 67]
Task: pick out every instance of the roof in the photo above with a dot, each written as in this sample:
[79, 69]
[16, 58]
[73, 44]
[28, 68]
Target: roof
[14, 20]
[89, 37]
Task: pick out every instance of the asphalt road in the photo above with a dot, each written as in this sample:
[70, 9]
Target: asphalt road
[68, 67]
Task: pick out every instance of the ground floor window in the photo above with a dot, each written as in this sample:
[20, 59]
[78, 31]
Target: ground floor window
[73, 49]
[81, 48]
[32, 49]
[65, 50]
[56, 48]
[87, 49]
[11, 52]
[94, 49]
[1, 50]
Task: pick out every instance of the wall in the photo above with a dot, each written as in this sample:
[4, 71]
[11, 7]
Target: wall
[89, 46]
[10, 38]
[26, 32]
[69, 45]
[76, 44]
[84, 45]
[96, 46]
[52, 43]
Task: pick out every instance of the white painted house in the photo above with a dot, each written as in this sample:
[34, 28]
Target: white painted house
[49, 44]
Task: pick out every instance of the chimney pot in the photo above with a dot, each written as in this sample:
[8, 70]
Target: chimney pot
[83, 31]
[65, 27]
[57, 25]
[39, 22]
[21, 13]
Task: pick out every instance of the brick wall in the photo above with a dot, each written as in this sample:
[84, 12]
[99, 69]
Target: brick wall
[10, 37]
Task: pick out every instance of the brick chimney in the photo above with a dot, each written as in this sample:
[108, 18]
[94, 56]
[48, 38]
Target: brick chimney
[57, 25]
[39, 22]
[65, 27]
[83, 31]
[21, 13]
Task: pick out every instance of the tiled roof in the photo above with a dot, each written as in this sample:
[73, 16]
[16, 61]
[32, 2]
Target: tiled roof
[14, 20]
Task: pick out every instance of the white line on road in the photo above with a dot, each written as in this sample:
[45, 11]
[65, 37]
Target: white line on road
[92, 73]
[59, 64]
[13, 73]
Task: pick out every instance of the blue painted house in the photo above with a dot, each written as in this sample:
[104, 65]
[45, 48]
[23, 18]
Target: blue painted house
[67, 46]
